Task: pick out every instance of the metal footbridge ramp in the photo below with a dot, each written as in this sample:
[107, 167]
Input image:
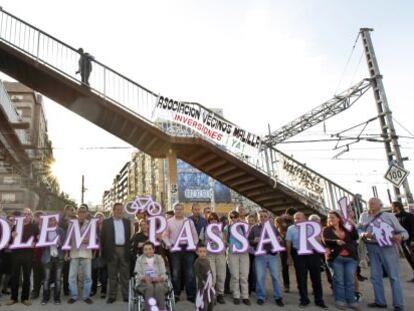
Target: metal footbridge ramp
[157, 125]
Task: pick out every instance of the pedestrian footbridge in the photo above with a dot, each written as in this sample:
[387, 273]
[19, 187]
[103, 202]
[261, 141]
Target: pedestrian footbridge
[128, 110]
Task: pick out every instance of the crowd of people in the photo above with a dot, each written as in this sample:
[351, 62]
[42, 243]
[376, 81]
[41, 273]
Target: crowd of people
[125, 251]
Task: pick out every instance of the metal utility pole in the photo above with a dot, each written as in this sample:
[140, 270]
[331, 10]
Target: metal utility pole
[83, 189]
[392, 148]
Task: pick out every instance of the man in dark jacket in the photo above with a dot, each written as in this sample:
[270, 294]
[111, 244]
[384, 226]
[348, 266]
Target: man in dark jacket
[407, 221]
[85, 66]
[200, 222]
[115, 247]
[22, 260]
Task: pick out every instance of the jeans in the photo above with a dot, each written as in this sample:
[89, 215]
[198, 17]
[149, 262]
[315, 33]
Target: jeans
[84, 264]
[56, 265]
[344, 269]
[239, 270]
[183, 262]
[262, 263]
[388, 258]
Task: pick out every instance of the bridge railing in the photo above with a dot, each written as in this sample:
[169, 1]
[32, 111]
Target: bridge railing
[139, 100]
[322, 192]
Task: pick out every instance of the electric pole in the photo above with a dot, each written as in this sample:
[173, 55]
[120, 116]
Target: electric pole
[392, 148]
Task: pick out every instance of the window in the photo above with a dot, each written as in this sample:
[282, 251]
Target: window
[17, 98]
[8, 197]
[9, 180]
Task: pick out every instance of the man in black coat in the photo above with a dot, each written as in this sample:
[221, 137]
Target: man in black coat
[407, 221]
[115, 246]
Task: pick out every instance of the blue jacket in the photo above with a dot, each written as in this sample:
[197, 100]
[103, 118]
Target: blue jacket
[200, 224]
[46, 250]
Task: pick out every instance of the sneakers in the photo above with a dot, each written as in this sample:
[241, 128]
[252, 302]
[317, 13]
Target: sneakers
[247, 302]
[44, 302]
[236, 301]
[220, 299]
[340, 306]
[27, 302]
[260, 302]
[322, 305]
[89, 301]
[279, 302]
[303, 305]
[57, 302]
[376, 305]
[71, 301]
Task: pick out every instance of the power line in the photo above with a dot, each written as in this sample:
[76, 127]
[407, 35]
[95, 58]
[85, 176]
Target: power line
[412, 135]
[347, 63]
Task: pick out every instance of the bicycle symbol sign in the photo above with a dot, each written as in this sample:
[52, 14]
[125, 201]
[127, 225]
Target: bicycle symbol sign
[142, 204]
[396, 175]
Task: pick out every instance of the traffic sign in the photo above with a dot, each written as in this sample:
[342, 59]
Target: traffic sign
[396, 175]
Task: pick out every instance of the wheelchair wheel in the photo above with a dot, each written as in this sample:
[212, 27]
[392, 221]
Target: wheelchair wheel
[132, 302]
[171, 302]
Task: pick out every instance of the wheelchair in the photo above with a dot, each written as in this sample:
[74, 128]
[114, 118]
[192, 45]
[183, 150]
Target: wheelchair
[136, 300]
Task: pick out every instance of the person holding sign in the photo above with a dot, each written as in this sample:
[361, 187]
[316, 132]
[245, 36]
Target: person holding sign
[238, 259]
[22, 256]
[267, 257]
[407, 221]
[151, 276]
[80, 261]
[304, 263]
[373, 228]
[181, 237]
[343, 259]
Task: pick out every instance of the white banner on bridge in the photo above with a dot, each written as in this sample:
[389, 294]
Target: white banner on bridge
[207, 124]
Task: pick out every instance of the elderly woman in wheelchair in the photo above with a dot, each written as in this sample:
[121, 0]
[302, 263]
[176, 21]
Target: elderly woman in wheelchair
[151, 277]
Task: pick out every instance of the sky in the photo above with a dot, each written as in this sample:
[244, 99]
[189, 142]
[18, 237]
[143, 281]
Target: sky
[262, 62]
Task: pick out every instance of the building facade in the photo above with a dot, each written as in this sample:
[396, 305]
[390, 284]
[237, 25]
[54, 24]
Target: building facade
[18, 191]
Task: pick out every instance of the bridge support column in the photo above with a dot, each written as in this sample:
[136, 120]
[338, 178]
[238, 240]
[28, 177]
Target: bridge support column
[172, 178]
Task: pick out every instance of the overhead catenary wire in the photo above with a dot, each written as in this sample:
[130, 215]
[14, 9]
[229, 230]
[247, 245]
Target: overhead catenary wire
[347, 64]
[404, 128]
